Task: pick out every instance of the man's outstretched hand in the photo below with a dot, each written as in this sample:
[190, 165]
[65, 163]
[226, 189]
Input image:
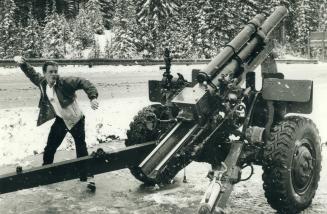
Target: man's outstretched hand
[19, 59]
[94, 104]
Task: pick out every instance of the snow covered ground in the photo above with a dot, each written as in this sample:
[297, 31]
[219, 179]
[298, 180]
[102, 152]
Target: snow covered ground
[123, 91]
[20, 137]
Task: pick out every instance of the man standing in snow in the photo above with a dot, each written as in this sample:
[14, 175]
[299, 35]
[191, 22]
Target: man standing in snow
[58, 100]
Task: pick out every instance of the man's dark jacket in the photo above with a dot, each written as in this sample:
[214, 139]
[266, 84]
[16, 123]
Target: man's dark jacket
[65, 88]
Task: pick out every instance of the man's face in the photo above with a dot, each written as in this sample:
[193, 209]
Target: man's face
[51, 74]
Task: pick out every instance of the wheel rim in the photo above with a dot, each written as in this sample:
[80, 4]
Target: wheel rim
[302, 166]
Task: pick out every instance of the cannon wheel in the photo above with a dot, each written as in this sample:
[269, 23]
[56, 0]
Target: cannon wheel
[292, 164]
[140, 133]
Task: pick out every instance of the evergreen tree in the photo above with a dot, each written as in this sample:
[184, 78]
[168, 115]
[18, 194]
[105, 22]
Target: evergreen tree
[306, 22]
[157, 10]
[179, 36]
[71, 8]
[61, 6]
[108, 11]
[153, 19]
[124, 42]
[224, 24]
[67, 32]
[322, 25]
[107, 50]
[189, 27]
[22, 10]
[54, 36]
[248, 9]
[83, 3]
[8, 30]
[94, 13]
[32, 40]
[49, 10]
[205, 38]
[82, 33]
[95, 51]
[20, 39]
[42, 9]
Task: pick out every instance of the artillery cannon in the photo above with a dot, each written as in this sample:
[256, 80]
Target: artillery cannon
[219, 118]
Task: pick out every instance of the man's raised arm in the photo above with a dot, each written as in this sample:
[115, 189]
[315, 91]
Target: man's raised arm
[28, 70]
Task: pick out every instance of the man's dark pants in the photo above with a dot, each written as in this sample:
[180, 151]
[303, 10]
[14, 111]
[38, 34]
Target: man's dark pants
[57, 133]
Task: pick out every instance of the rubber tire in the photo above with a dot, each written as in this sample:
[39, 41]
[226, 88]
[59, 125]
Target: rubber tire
[278, 154]
[139, 133]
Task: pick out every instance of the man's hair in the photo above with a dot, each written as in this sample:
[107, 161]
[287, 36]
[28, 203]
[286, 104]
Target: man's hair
[47, 63]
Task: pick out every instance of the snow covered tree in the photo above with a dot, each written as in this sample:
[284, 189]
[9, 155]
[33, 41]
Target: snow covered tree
[55, 35]
[157, 9]
[8, 30]
[108, 11]
[82, 33]
[49, 10]
[153, 19]
[83, 3]
[94, 14]
[71, 8]
[95, 51]
[248, 9]
[22, 10]
[212, 23]
[124, 41]
[180, 31]
[189, 27]
[208, 21]
[306, 22]
[32, 40]
[107, 50]
[322, 25]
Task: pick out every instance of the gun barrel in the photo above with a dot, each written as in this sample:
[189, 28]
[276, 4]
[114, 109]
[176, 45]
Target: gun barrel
[247, 52]
[265, 30]
[273, 20]
[234, 46]
[245, 43]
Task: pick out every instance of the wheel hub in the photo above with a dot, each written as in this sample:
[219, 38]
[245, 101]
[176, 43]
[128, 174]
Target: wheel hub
[302, 167]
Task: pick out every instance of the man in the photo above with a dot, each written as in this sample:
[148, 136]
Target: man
[58, 100]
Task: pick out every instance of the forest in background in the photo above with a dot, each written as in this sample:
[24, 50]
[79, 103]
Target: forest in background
[191, 29]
